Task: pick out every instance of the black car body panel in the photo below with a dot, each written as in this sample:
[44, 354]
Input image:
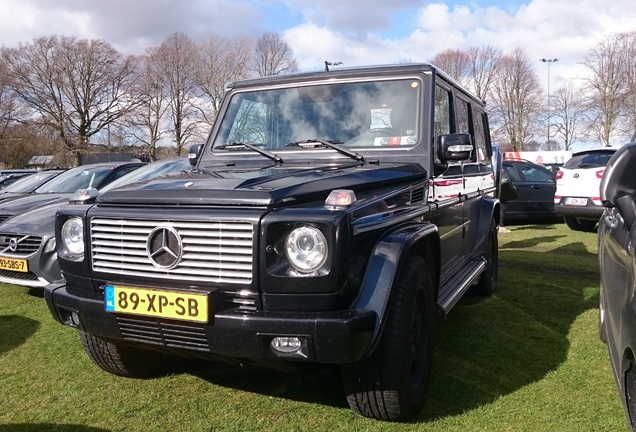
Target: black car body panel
[617, 236]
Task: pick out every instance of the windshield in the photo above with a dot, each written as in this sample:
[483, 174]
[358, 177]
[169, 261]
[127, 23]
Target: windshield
[150, 171]
[82, 177]
[358, 114]
[29, 183]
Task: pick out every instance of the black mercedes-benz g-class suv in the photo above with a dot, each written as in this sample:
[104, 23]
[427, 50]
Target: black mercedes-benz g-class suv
[330, 217]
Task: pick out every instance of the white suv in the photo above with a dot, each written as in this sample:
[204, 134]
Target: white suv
[577, 190]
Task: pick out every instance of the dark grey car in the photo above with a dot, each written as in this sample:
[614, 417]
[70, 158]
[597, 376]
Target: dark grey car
[32, 234]
[535, 187]
[617, 236]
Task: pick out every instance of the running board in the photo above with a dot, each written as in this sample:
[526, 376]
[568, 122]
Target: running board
[454, 288]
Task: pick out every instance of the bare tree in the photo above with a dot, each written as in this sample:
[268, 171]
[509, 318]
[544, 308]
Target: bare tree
[567, 111]
[273, 56]
[76, 87]
[455, 63]
[221, 61]
[148, 120]
[176, 60]
[604, 88]
[517, 96]
[484, 62]
[629, 54]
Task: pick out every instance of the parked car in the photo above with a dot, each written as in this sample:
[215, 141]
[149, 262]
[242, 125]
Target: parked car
[27, 184]
[577, 192]
[617, 315]
[306, 234]
[27, 241]
[535, 187]
[7, 180]
[64, 185]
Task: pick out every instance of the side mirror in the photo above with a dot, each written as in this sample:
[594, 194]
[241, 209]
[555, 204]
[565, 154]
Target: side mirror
[454, 147]
[194, 152]
[618, 185]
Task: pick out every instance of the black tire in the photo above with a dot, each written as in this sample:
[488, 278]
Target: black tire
[487, 284]
[122, 360]
[580, 224]
[392, 383]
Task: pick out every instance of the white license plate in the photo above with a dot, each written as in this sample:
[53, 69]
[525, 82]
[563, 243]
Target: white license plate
[576, 201]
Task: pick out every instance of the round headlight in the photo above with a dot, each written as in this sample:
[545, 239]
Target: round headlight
[72, 235]
[306, 249]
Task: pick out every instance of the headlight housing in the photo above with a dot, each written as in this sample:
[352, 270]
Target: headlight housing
[72, 237]
[306, 249]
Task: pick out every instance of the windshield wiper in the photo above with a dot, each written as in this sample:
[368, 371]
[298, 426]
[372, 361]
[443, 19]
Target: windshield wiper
[331, 144]
[254, 147]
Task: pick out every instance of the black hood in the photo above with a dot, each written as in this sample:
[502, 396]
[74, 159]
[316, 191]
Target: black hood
[257, 186]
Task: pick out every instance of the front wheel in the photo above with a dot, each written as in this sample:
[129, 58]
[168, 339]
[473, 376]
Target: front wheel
[391, 384]
[123, 360]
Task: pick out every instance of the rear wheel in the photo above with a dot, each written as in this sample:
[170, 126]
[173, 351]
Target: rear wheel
[123, 360]
[487, 284]
[580, 224]
[392, 383]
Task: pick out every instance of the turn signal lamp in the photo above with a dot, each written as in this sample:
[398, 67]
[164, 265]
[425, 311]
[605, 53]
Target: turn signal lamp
[341, 198]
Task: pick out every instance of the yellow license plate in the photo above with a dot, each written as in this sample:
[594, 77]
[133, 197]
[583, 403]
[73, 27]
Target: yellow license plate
[19, 265]
[156, 303]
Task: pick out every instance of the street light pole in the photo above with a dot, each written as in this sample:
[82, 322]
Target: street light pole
[549, 62]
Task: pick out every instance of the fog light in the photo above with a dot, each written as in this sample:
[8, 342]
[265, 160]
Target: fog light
[286, 345]
[75, 319]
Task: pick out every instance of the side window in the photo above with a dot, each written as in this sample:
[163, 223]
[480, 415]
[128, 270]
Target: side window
[463, 121]
[442, 111]
[511, 172]
[534, 174]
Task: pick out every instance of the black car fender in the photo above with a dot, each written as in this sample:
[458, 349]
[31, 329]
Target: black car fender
[384, 266]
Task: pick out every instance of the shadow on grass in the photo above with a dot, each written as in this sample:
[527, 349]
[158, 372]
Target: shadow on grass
[49, 427]
[526, 243]
[487, 348]
[491, 347]
[14, 331]
[312, 383]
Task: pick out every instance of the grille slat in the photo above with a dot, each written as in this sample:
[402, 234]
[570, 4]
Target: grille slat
[214, 251]
[149, 330]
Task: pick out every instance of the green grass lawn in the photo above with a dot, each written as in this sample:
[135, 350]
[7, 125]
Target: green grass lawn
[525, 359]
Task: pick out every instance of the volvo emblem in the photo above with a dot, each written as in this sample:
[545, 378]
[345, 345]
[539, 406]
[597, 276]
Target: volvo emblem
[13, 244]
[164, 247]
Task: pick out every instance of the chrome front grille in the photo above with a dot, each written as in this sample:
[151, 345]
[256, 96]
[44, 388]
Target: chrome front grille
[213, 251]
[19, 244]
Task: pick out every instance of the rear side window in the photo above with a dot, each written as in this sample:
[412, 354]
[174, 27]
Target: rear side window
[589, 160]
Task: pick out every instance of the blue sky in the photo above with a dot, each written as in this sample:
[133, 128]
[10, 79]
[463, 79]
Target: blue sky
[356, 32]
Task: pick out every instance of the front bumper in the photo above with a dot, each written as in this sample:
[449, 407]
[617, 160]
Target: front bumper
[327, 337]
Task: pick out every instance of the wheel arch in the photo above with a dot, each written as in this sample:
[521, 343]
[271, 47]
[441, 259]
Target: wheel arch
[384, 267]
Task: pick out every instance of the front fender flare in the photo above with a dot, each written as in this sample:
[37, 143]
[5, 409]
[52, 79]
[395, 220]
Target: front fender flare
[383, 270]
